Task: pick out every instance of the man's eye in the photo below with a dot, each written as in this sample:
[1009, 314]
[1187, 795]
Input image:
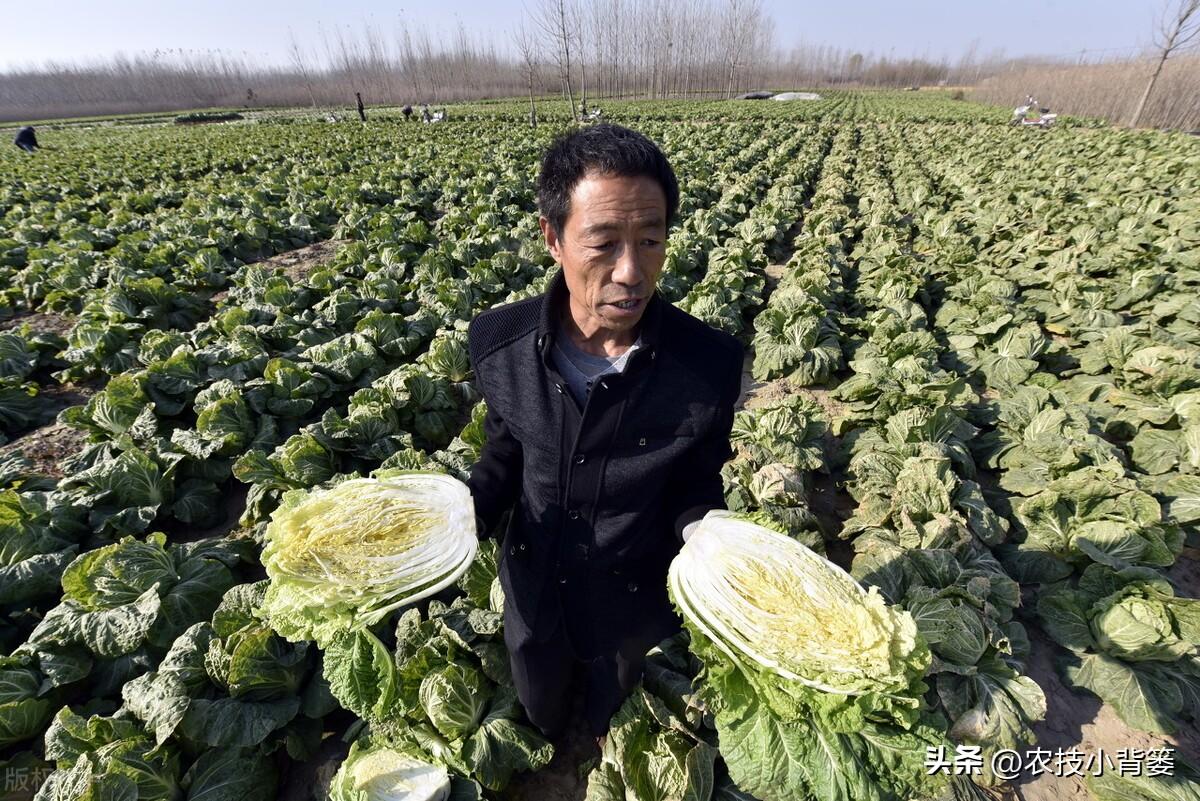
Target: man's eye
[602, 246]
[650, 242]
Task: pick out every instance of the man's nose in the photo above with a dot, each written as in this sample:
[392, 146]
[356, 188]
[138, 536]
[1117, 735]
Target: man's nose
[628, 269]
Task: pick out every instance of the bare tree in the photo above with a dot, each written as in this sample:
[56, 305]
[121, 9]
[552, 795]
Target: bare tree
[299, 62]
[527, 50]
[1177, 31]
[627, 48]
[601, 19]
[555, 19]
[739, 23]
[379, 61]
[409, 61]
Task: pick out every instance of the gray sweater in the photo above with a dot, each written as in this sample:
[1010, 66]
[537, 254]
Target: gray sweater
[581, 369]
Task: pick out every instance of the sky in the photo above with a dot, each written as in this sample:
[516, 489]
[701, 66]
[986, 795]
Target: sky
[83, 30]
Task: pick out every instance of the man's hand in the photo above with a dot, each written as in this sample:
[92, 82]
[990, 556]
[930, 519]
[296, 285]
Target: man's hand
[689, 528]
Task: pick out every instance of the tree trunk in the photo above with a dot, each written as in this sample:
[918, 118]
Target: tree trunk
[1141, 106]
[571, 92]
[566, 43]
[532, 108]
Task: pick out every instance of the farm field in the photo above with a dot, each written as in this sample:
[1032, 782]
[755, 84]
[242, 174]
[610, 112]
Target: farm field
[973, 381]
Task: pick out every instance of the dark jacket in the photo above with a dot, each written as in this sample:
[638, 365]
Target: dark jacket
[26, 139]
[599, 495]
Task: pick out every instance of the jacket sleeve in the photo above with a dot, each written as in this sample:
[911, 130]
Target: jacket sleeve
[495, 480]
[700, 488]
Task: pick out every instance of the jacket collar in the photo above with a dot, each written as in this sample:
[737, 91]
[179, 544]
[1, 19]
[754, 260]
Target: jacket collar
[555, 299]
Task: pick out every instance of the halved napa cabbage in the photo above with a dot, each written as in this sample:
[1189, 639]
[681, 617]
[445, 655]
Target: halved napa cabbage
[384, 774]
[761, 596]
[346, 556]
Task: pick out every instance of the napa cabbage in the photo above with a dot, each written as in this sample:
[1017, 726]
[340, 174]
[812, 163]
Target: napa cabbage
[1133, 643]
[815, 682]
[346, 556]
[385, 774]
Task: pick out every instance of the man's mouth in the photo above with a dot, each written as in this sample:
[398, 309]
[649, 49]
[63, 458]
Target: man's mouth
[626, 305]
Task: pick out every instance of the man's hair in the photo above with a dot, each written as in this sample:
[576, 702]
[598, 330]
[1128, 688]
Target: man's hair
[605, 149]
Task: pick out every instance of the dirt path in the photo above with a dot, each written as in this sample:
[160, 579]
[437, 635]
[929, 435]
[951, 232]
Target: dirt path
[565, 778]
[1081, 721]
[300, 263]
[40, 322]
[296, 264]
[50, 444]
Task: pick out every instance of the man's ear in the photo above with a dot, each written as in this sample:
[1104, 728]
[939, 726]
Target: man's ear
[552, 241]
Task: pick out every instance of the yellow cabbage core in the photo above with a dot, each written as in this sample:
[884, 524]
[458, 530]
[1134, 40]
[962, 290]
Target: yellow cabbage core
[341, 533]
[760, 593]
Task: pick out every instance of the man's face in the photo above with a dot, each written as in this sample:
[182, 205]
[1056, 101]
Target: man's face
[611, 249]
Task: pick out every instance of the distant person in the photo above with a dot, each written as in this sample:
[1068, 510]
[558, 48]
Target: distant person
[362, 114]
[26, 139]
[425, 115]
[407, 113]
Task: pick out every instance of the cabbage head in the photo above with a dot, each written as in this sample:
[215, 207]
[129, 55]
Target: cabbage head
[1131, 614]
[455, 698]
[775, 606]
[346, 556]
[1135, 643]
[815, 683]
[1094, 514]
[384, 774]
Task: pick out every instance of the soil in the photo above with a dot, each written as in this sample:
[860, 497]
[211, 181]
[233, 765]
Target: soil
[1185, 573]
[565, 778]
[298, 264]
[823, 397]
[59, 396]
[774, 272]
[1081, 721]
[40, 322]
[755, 394]
[49, 445]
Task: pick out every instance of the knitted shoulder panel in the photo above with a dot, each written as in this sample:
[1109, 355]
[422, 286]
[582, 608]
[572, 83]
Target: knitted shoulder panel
[493, 329]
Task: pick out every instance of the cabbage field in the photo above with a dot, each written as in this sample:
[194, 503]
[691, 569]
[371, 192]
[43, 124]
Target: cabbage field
[973, 381]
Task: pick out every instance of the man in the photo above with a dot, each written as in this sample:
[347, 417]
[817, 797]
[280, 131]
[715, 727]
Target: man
[609, 413]
[26, 139]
